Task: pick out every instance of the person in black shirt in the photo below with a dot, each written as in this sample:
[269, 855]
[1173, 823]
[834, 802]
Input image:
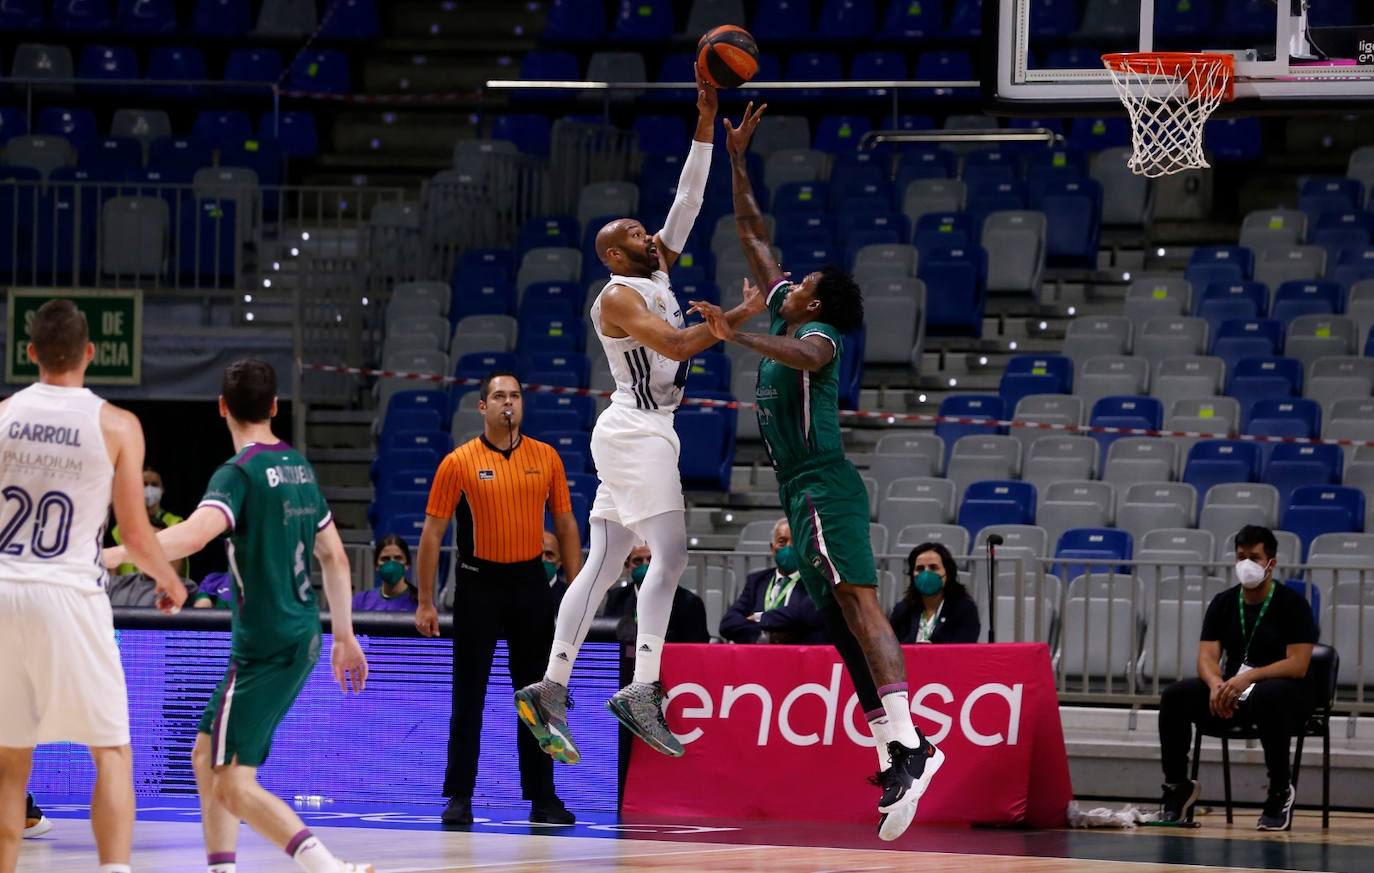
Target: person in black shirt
[936, 608]
[1266, 632]
[686, 621]
[773, 607]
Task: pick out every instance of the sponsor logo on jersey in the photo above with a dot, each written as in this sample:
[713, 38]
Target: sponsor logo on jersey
[765, 392]
[486, 475]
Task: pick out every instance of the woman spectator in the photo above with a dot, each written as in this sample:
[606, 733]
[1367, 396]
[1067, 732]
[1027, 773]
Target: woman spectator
[391, 592]
[937, 607]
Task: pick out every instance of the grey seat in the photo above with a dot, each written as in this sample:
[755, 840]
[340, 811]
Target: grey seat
[1046, 409]
[1018, 238]
[1140, 459]
[1201, 415]
[932, 195]
[1289, 554]
[794, 165]
[1346, 560]
[777, 132]
[1337, 378]
[1047, 624]
[896, 327]
[477, 158]
[871, 486]
[894, 258]
[1059, 458]
[878, 537]
[913, 456]
[975, 458]
[756, 537]
[134, 236]
[1101, 636]
[142, 124]
[40, 61]
[1361, 166]
[1351, 418]
[1097, 336]
[725, 235]
[500, 325]
[416, 361]
[405, 326]
[238, 185]
[1359, 305]
[465, 421]
[1111, 376]
[598, 199]
[1359, 471]
[616, 67]
[731, 269]
[1351, 637]
[41, 153]
[1173, 556]
[706, 14]
[935, 495]
[1158, 297]
[1179, 378]
[951, 536]
[1185, 196]
[436, 293]
[287, 18]
[410, 307]
[1170, 650]
[1130, 202]
[1274, 266]
[1023, 545]
[1059, 515]
[1229, 507]
[1161, 338]
[1315, 336]
[1150, 506]
[1265, 229]
[548, 264]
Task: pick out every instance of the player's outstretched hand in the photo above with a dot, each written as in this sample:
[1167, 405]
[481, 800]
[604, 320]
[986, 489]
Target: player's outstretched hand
[171, 594]
[707, 102]
[427, 620]
[112, 557]
[753, 298]
[350, 664]
[715, 319]
[737, 138]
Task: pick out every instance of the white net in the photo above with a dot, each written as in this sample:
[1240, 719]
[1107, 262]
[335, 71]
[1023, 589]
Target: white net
[1169, 98]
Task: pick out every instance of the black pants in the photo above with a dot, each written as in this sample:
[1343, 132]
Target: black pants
[491, 601]
[1278, 708]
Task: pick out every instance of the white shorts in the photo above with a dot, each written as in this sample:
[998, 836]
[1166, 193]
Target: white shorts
[60, 676]
[636, 453]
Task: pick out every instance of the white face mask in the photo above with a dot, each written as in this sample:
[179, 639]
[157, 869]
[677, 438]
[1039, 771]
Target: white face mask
[152, 495]
[1249, 573]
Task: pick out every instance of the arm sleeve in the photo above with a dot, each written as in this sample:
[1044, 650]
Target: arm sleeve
[691, 192]
[559, 498]
[226, 492]
[446, 489]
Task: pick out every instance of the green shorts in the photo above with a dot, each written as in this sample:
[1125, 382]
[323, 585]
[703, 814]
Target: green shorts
[827, 507]
[252, 700]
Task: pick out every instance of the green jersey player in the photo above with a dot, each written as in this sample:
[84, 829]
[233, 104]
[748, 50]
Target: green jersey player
[821, 492]
[267, 501]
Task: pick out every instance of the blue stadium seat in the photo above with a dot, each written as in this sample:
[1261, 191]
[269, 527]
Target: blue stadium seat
[476, 365]
[940, 229]
[407, 440]
[1346, 230]
[253, 65]
[989, 166]
[1282, 417]
[20, 15]
[841, 133]
[398, 419]
[1145, 413]
[220, 127]
[847, 173]
[351, 19]
[539, 425]
[660, 134]
[179, 156]
[1333, 13]
[108, 62]
[389, 505]
[294, 132]
[1073, 58]
[1059, 163]
[880, 66]
[708, 371]
[1295, 298]
[770, 70]
[572, 443]
[501, 259]
[1184, 18]
[575, 21]
[583, 408]
[708, 448]
[1254, 379]
[988, 406]
[643, 20]
[1221, 302]
[63, 210]
[388, 463]
[801, 197]
[1216, 462]
[207, 243]
[811, 67]
[912, 19]
[860, 230]
[956, 289]
[530, 132]
[224, 18]
[777, 20]
[803, 261]
[175, 64]
[1246, 18]
[542, 64]
[1234, 139]
[1352, 266]
[943, 66]
[996, 502]
[1035, 374]
[561, 299]
[13, 122]
[414, 479]
[146, 17]
[1073, 210]
[1313, 510]
[549, 230]
[419, 400]
[319, 71]
[966, 20]
[1247, 338]
[1213, 264]
[923, 163]
[847, 19]
[1096, 134]
[677, 67]
[82, 16]
[482, 292]
[583, 485]
[985, 198]
[1053, 18]
[17, 201]
[77, 126]
[1329, 195]
[1292, 465]
[407, 526]
[544, 367]
[1081, 548]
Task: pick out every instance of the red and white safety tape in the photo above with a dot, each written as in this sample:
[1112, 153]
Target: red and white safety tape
[865, 415]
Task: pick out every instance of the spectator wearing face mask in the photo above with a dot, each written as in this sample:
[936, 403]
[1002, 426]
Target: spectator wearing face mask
[686, 622]
[160, 518]
[773, 607]
[391, 592]
[553, 568]
[937, 607]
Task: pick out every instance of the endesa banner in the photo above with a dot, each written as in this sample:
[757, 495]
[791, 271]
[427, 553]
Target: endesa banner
[777, 732]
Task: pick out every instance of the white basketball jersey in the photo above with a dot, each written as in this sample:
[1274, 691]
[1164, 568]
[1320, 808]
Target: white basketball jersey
[644, 379]
[55, 482]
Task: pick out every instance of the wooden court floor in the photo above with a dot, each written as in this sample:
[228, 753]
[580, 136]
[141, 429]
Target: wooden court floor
[163, 845]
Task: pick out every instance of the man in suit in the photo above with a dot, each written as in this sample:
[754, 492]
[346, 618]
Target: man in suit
[686, 621]
[773, 608]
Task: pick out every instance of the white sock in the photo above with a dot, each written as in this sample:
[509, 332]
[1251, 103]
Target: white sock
[648, 656]
[311, 855]
[898, 708]
[115, 868]
[561, 658]
[878, 727]
[221, 862]
[222, 868]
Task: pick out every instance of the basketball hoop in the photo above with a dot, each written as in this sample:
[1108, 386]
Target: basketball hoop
[1169, 96]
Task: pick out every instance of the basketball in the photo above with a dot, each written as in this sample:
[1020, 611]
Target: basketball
[728, 56]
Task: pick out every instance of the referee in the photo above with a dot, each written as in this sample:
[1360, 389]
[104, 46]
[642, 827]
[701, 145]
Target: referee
[497, 485]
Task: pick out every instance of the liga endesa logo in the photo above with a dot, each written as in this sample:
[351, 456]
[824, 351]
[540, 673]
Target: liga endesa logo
[934, 706]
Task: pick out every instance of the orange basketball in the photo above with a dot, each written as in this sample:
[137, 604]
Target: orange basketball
[728, 56]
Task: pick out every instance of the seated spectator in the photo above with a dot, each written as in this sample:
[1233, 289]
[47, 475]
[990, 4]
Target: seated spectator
[686, 622]
[390, 591]
[1265, 630]
[161, 519]
[937, 607]
[136, 589]
[216, 591]
[773, 607]
[553, 568]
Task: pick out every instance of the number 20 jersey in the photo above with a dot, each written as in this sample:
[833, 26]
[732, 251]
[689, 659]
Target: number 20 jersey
[55, 481]
[273, 504]
[644, 379]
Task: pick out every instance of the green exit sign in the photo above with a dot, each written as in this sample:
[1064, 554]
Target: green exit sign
[115, 319]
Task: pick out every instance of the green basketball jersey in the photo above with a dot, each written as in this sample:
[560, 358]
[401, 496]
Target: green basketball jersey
[274, 507]
[799, 412]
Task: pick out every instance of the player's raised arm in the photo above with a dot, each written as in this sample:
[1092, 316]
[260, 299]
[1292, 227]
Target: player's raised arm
[691, 184]
[350, 665]
[809, 353]
[753, 233]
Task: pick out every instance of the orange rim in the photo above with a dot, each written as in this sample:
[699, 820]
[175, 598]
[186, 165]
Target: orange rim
[1195, 68]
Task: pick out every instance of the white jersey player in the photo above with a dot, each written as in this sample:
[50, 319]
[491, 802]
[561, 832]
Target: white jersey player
[635, 448]
[64, 454]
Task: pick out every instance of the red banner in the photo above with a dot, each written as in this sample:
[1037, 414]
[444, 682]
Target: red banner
[777, 732]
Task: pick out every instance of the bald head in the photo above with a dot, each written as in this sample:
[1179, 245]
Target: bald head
[612, 234]
[626, 248]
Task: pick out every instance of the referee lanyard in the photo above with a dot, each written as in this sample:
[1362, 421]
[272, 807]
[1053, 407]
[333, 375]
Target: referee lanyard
[777, 594]
[1250, 637]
